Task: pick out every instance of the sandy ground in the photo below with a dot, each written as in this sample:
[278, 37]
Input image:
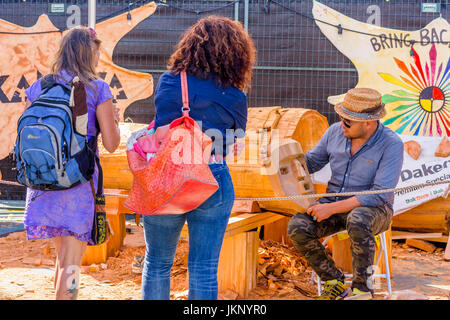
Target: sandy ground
[27, 268]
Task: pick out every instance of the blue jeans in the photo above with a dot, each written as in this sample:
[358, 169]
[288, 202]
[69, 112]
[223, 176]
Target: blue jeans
[206, 226]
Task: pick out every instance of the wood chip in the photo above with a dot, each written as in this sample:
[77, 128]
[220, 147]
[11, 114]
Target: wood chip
[421, 244]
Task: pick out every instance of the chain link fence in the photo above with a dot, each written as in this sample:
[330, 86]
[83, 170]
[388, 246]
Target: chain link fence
[297, 66]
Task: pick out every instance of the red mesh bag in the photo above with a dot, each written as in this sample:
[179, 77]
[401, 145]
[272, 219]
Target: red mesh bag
[178, 178]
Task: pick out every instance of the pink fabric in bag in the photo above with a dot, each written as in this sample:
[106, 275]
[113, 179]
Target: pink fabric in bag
[146, 143]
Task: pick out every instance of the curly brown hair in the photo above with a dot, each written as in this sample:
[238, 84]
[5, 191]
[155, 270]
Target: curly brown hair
[218, 46]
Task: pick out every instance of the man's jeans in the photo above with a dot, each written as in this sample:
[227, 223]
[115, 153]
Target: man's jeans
[362, 224]
[206, 226]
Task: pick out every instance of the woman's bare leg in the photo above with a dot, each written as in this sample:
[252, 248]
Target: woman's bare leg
[57, 242]
[67, 279]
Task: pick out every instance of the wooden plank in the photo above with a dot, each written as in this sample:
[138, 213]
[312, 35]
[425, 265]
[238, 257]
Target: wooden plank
[442, 239]
[397, 235]
[434, 237]
[237, 270]
[248, 221]
[95, 255]
[447, 251]
[277, 231]
[245, 206]
[421, 244]
[115, 214]
[243, 222]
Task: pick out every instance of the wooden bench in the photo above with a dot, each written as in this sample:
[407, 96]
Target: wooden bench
[238, 262]
[115, 214]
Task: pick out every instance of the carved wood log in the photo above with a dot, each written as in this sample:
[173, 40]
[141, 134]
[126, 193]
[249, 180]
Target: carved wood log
[280, 128]
[432, 216]
[265, 125]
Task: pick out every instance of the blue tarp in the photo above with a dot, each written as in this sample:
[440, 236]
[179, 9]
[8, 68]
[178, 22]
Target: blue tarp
[9, 227]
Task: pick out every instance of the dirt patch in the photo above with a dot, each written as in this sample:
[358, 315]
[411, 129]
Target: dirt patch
[27, 267]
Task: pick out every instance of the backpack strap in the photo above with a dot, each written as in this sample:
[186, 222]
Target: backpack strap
[48, 81]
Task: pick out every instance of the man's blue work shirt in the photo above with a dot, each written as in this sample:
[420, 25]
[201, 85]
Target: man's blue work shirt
[211, 107]
[376, 165]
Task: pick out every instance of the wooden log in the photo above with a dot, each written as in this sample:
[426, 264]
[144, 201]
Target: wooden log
[302, 125]
[267, 126]
[432, 216]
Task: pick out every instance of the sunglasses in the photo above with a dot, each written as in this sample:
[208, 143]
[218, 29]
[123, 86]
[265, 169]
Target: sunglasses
[347, 123]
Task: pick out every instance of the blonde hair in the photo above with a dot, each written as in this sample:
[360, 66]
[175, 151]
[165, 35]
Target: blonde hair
[76, 55]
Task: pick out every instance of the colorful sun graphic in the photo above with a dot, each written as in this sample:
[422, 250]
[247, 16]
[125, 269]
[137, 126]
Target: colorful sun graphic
[422, 106]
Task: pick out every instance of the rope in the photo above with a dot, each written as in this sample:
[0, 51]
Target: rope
[325, 195]
[15, 217]
[345, 194]
[305, 196]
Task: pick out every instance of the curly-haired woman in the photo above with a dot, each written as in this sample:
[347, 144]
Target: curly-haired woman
[217, 55]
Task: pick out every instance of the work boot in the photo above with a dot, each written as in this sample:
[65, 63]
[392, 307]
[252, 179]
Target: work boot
[359, 295]
[334, 290]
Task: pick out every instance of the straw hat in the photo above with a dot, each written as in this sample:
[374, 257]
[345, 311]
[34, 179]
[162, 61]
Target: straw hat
[361, 104]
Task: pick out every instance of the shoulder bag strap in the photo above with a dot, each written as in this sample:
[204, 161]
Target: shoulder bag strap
[100, 181]
[93, 145]
[100, 177]
[184, 94]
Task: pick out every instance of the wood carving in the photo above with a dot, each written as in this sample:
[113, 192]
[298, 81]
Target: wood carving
[413, 149]
[443, 149]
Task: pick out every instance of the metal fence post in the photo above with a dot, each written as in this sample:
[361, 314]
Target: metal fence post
[246, 15]
[91, 13]
[236, 11]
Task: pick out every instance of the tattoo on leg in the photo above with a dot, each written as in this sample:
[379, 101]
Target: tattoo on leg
[73, 290]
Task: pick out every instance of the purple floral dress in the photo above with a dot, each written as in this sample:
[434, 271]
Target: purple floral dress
[68, 212]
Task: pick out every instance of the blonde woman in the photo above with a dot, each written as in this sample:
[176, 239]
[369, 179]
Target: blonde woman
[67, 215]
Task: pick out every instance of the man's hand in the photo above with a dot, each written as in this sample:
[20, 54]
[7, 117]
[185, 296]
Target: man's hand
[321, 211]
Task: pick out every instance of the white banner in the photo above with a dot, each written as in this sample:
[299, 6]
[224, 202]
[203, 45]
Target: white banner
[426, 169]
[411, 69]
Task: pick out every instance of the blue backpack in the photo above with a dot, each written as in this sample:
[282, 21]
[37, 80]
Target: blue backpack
[49, 153]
